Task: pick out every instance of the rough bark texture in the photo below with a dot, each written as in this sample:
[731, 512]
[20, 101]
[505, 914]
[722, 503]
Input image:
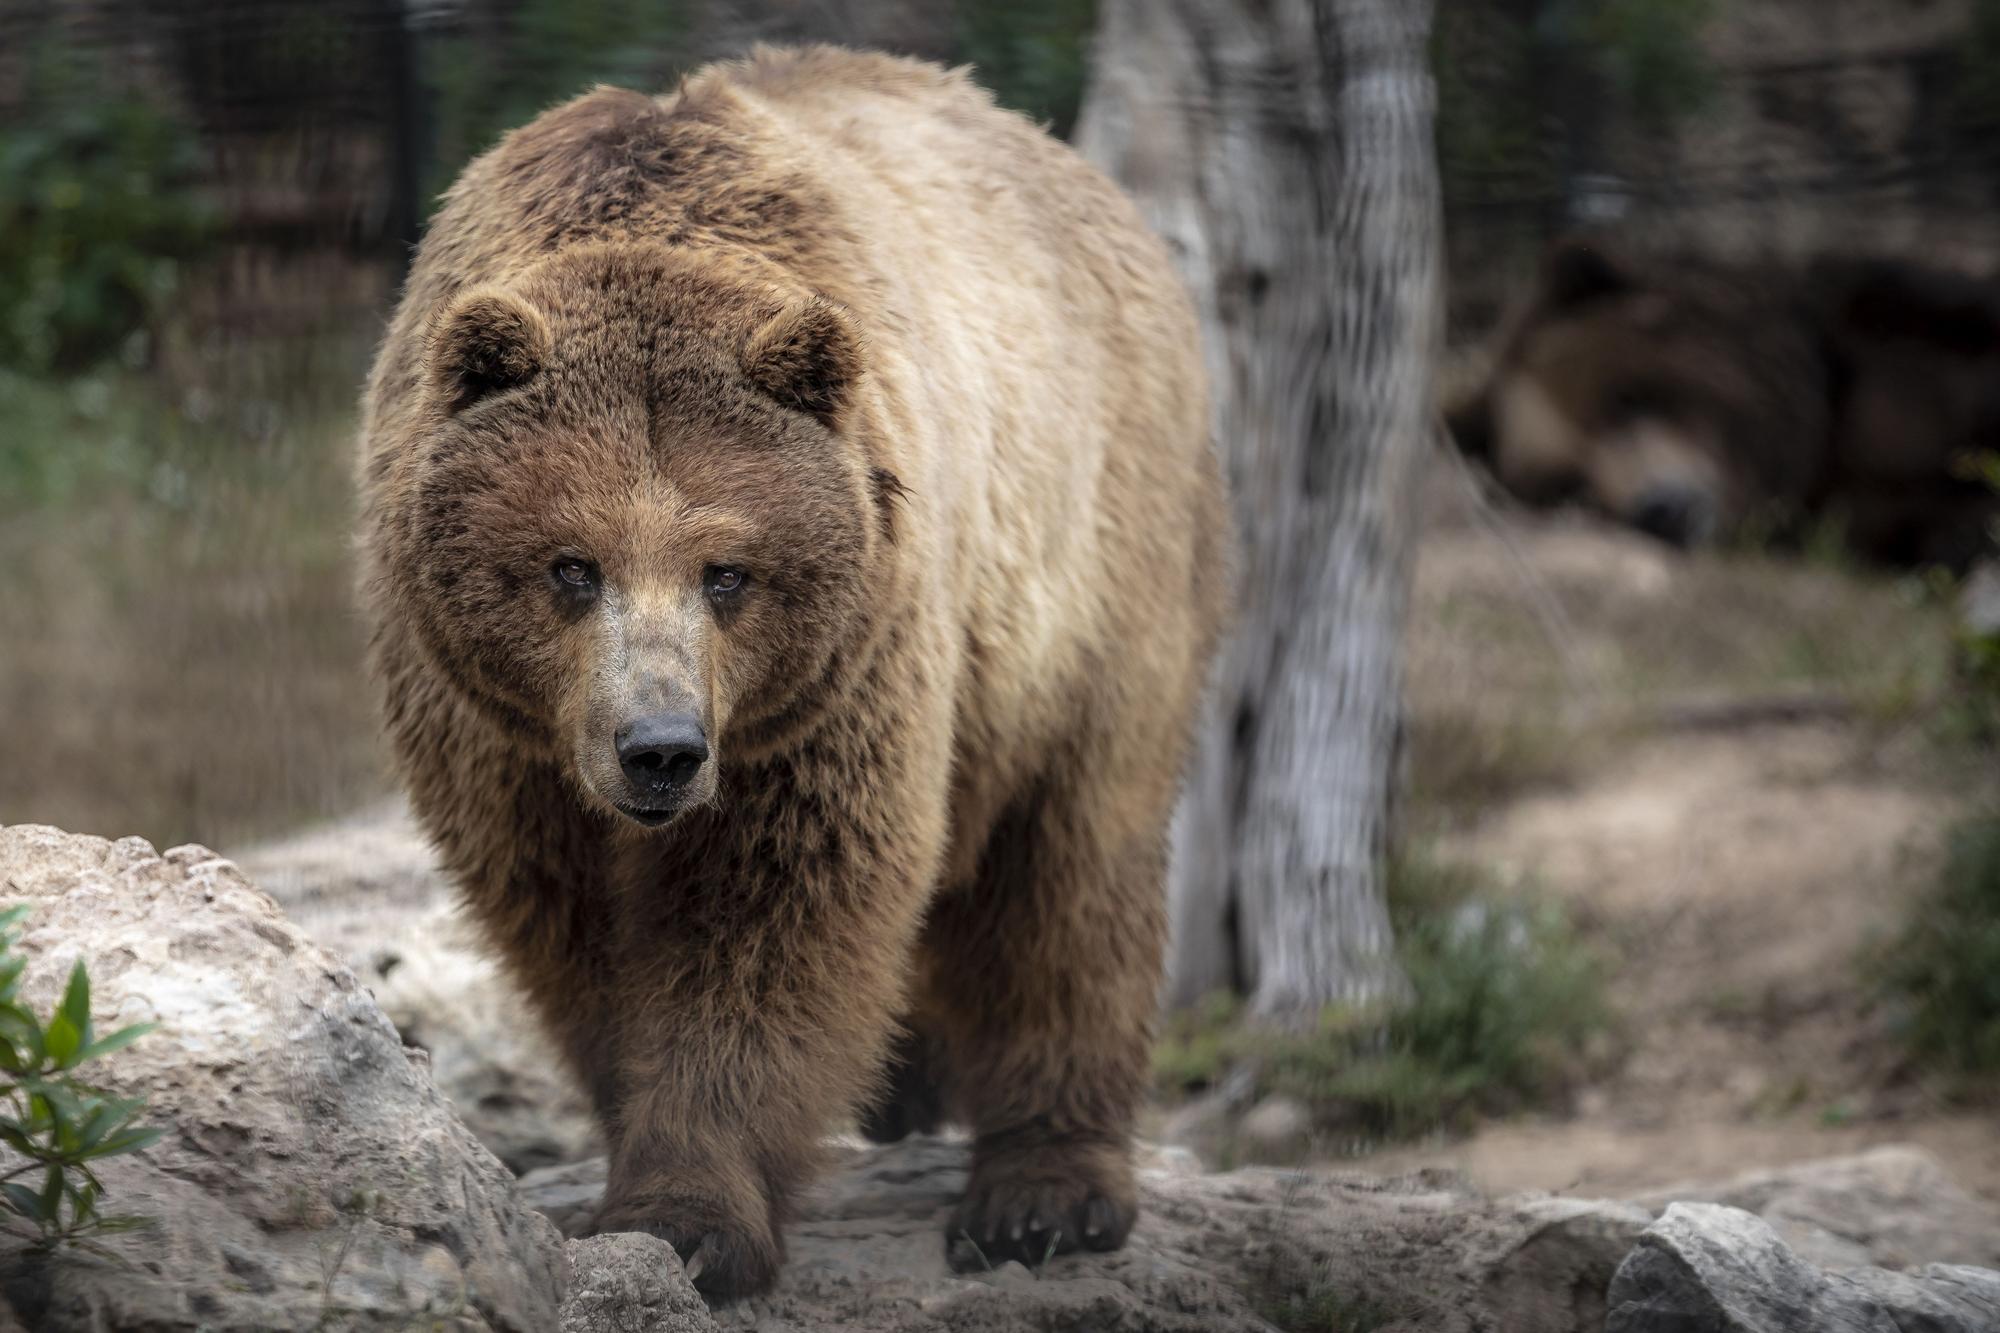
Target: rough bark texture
[1284, 151]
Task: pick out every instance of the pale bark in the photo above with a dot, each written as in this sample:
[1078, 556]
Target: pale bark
[1283, 147]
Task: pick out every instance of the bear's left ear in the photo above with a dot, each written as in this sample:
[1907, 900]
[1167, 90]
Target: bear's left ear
[807, 356]
[487, 342]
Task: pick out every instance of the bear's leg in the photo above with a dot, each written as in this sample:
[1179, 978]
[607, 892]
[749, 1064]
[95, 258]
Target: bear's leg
[1042, 979]
[757, 1008]
[729, 1095]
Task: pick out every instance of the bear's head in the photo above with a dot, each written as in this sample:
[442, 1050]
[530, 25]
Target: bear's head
[1917, 358]
[1666, 395]
[638, 526]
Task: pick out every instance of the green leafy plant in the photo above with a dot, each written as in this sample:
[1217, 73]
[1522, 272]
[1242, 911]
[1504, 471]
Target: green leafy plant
[1975, 85]
[1650, 54]
[492, 77]
[1510, 72]
[99, 213]
[1945, 966]
[1503, 998]
[1033, 54]
[1972, 711]
[59, 1124]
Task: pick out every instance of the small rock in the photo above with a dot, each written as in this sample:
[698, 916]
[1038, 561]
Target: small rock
[629, 1283]
[567, 1195]
[1279, 1128]
[1706, 1268]
[1013, 1273]
[1205, 1125]
[1979, 600]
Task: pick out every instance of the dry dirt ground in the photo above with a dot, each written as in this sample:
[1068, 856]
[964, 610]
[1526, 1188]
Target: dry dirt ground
[1735, 771]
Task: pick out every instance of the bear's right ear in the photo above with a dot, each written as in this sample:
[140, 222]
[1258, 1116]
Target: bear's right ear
[807, 357]
[1577, 272]
[1884, 300]
[487, 341]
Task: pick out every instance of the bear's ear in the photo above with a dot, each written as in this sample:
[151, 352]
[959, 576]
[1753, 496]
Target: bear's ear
[807, 357]
[1469, 423]
[1885, 300]
[1577, 272]
[488, 341]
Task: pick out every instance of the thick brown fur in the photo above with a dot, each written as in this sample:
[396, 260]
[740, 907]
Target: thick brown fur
[1694, 398]
[835, 321]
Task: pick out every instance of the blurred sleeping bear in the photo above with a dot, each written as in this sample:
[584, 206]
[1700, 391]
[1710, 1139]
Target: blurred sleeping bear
[1701, 402]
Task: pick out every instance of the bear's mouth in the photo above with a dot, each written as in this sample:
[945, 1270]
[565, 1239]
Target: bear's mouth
[650, 818]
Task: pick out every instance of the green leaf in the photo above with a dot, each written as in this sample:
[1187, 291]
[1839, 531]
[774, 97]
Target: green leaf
[26, 1033]
[118, 1040]
[12, 916]
[52, 1192]
[124, 1222]
[104, 1118]
[130, 1140]
[62, 1041]
[76, 1003]
[23, 1200]
[64, 1106]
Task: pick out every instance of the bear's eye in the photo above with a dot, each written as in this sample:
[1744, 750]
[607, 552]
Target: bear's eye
[720, 581]
[574, 573]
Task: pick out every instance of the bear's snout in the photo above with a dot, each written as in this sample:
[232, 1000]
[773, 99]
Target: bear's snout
[1678, 515]
[661, 755]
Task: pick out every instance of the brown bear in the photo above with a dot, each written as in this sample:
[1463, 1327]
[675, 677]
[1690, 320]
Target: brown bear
[1694, 399]
[794, 547]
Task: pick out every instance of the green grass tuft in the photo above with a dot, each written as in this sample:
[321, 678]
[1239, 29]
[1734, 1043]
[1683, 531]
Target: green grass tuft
[1946, 964]
[1504, 998]
[1321, 1308]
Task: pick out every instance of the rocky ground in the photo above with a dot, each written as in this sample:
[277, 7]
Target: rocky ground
[318, 1172]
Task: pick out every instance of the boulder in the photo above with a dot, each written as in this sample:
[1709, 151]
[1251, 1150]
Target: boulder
[367, 888]
[1889, 1207]
[1709, 1268]
[1211, 1252]
[310, 1175]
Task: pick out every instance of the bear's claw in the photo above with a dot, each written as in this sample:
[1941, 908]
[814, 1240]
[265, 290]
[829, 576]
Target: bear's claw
[1024, 1209]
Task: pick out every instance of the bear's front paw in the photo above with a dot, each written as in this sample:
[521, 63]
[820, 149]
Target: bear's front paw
[725, 1256]
[1030, 1201]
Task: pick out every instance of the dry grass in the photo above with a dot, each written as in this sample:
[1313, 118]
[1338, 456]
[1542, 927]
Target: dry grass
[1538, 645]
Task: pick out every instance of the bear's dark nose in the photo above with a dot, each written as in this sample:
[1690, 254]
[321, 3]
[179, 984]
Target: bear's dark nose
[661, 753]
[1676, 514]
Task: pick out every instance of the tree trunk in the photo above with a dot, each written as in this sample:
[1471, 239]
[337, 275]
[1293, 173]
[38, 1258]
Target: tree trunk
[1283, 148]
